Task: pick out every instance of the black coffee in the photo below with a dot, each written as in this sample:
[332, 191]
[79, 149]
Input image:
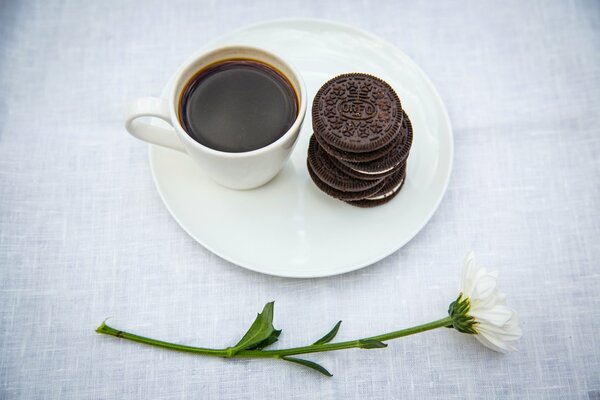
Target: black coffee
[237, 106]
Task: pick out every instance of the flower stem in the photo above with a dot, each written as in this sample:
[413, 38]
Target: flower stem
[315, 348]
[107, 330]
[344, 345]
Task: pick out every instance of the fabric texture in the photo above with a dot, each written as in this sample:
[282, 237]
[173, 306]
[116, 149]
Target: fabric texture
[85, 236]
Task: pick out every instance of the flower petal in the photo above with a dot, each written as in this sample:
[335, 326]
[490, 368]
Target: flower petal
[497, 315]
[489, 344]
[492, 342]
[484, 287]
[503, 333]
[466, 284]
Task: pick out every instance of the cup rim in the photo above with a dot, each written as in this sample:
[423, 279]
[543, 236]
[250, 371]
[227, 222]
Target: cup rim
[174, 101]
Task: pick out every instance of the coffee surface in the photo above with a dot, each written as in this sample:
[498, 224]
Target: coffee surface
[237, 106]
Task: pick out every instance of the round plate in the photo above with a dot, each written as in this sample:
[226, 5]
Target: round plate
[288, 227]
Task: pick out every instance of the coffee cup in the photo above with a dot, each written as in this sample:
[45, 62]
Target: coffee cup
[217, 136]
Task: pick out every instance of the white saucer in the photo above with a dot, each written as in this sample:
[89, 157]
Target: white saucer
[289, 227]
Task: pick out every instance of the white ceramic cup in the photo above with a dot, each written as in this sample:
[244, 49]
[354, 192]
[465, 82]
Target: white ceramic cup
[244, 170]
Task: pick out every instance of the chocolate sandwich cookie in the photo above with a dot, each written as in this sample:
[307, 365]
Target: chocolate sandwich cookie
[356, 113]
[326, 171]
[364, 175]
[342, 194]
[392, 186]
[358, 157]
[389, 162]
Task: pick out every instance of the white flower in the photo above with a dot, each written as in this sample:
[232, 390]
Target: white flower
[481, 309]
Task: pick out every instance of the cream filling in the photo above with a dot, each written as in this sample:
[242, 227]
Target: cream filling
[375, 173]
[391, 192]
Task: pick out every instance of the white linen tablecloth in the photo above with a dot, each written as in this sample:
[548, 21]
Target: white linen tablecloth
[84, 235]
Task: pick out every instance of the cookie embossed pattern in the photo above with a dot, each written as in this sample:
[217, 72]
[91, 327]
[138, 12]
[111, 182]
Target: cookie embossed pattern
[362, 137]
[356, 113]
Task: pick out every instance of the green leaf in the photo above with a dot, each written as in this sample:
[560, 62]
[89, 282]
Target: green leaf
[371, 344]
[267, 342]
[261, 331]
[330, 335]
[309, 364]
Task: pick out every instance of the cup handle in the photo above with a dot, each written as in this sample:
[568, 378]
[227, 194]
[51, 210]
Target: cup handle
[152, 107]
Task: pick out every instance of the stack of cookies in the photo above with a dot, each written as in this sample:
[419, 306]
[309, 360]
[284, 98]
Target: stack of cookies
[361, 140]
